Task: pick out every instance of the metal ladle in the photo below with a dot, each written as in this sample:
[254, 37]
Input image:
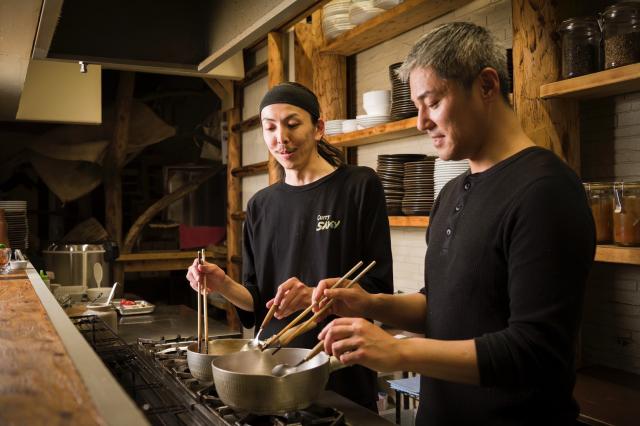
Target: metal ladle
[281, 370]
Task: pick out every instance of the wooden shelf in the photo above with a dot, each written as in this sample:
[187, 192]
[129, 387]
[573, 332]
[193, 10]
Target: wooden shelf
[597, 85]
[387, 25]
[167, 260]
[409, 221]
[384, 132]
[250, 169]
[616, 254]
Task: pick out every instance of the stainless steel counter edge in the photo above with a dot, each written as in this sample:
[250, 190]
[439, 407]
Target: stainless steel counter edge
[111, 401]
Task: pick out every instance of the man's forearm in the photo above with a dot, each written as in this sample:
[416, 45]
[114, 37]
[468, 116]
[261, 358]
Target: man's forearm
[405, 311]
[451, 360]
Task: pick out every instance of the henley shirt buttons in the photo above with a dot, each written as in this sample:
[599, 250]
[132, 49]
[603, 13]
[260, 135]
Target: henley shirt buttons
[459, 207]
[448, 232]
[467, 186]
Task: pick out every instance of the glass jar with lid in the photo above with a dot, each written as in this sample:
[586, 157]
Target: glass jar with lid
[600, 197]
[581, 40]
[621, 26]
[626, 213]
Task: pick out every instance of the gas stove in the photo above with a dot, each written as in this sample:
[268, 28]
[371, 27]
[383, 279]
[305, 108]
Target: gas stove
[156, 376]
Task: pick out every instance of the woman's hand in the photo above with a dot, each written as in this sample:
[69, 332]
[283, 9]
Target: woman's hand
[215, 276]
[293, 295]
[347, 302]
[358, 341]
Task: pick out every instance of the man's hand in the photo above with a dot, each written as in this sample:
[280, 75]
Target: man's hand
[293, 295]
[357, 341]
[348, 302]
[215, 276]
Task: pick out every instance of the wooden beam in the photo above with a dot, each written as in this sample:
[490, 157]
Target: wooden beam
[116, 155]
[239, 215]
[254, 74]
[246, 125]
[329, 77]
[234, 194]
[250, 169]
[303, 46]
[223, 90]
[553, 124]
[276, 62]
[163, 203]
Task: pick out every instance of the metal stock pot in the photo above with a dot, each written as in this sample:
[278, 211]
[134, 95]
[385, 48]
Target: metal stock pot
[243, 380]
[200, 363]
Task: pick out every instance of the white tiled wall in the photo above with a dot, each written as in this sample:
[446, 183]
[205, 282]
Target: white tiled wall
[372, 73]
[610, 133]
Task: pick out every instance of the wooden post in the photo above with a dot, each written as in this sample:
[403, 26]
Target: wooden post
[303, 46]
[276, 75]
[114, 162]
[234, 201]
[553, 124]
[329, 76]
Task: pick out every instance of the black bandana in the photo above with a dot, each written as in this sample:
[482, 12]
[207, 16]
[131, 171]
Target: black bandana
[292, 94]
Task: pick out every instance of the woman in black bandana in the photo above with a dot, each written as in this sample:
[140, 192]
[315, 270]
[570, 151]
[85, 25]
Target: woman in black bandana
[318, 221]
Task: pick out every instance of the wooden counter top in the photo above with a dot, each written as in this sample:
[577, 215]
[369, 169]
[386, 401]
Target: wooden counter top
[38, 382]
[48, 372]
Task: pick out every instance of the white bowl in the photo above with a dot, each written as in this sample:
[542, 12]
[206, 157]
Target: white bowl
[98, 295]
[18, 264]
[349, 126]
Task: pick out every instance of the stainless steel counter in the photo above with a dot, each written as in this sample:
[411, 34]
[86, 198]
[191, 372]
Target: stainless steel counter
[356, 415]
[168, 321]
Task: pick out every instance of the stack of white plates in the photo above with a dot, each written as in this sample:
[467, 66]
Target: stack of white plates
[445, 171]
[335, 18]
[365, 121]
[362, 11]
[333, 127]
[15, 213]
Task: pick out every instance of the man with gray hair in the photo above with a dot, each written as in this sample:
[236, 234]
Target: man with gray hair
[510, 244]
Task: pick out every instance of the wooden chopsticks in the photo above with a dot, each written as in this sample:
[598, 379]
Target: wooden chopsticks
[288, 334]
[202, 306]
[301, 316]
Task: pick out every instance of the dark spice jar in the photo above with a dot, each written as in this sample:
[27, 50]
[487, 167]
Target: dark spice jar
[626, 213]
[600, 197]
[621, 26]
[581, 39]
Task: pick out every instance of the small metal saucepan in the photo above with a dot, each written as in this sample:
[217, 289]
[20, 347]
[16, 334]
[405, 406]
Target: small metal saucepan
[244, 380]
[200, 364]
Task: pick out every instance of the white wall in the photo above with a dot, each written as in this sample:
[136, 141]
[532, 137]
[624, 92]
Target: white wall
[372, 73]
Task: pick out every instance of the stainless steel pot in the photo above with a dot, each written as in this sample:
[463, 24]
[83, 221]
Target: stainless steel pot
[200, 364]
[244, 381]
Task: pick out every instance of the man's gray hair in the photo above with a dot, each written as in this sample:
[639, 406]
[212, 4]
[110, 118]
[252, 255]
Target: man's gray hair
[458, 51]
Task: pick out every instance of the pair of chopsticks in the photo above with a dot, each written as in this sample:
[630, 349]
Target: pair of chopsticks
[202, 306]
[292, 330]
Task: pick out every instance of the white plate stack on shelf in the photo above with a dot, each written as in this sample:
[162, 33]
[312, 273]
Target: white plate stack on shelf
[377, 106]
[445, 171]
[361, 11]
[391, 172]
[349, 126]
[15, 213]
[333, 127]
[418, 187]
[335, 18]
